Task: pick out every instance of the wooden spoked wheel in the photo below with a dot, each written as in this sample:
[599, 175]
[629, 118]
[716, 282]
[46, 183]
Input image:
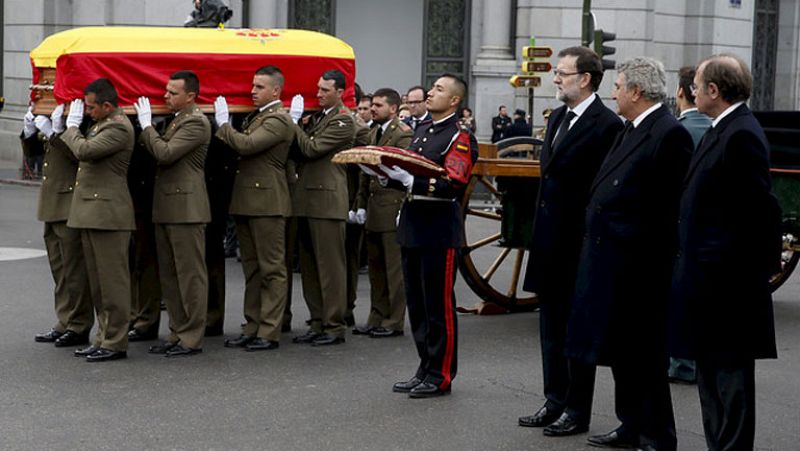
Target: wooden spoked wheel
[789, 259]
[493, 269]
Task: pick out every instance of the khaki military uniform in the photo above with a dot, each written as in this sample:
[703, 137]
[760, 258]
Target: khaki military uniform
[103, 210]
[320, 204]
[387, 295]
[73, 301]
[260, 204]
[354, 233]
[180, 214]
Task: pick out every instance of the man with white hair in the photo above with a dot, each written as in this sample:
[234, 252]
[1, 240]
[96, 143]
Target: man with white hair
[619, 307]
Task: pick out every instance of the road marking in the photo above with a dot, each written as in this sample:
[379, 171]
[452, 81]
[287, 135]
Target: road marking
[19, 253]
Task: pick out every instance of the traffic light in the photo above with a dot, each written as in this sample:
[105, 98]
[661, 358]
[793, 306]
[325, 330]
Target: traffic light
[600, 38]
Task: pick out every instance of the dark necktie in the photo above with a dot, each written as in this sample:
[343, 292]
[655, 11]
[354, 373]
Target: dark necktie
[249, 118]
[379, 135]
[563, 129]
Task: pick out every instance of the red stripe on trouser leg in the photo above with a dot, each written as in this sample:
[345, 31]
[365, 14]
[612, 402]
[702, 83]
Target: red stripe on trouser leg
[448, 320]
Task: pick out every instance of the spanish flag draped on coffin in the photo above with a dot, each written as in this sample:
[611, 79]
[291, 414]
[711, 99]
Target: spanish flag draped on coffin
[139, 61]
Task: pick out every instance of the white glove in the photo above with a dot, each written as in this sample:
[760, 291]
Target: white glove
[143, 112]
[44, 125]
[351, 217]
[381, 179]
[296, 110]
[221, 114]
[75, 116]
[399, 174]
[29, 128]
[57, 119]
[361, 216]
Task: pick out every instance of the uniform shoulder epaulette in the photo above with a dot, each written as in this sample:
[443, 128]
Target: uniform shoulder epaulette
[117, 118]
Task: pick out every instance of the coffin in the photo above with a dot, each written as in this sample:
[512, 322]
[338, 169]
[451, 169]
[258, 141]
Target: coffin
[139, 61]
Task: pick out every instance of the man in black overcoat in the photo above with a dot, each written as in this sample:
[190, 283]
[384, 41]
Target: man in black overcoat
[619, 310]
[576, 143]
[730, 244]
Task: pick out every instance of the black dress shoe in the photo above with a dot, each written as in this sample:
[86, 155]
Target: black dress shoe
[72, 338]
[613, 439]
[566, 425]
[161, 348]
[142, 335]
[543, 417]
[106, 355]
[261, 344]
[84, 352]
[327, 340]
[382, 332]
[427, 390]
[306, 338]
[215, 331]
[238, 342]
[362, 330]
[48, 337]
[406, 386]
[182, 351]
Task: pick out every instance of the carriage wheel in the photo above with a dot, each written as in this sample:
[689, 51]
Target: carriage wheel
[492, 271]
[789, 259]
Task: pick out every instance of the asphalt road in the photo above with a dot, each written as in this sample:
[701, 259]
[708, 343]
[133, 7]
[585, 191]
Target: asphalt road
[310, 398]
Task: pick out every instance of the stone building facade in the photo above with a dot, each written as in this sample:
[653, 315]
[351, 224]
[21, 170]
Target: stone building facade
[403, 43]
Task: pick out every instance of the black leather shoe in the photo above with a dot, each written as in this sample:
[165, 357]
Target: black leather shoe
[142, 335]
[543, 417]
[306, 338]
[613, 439]
[84, 352]
[382, 332]
[362, 330]
[261, 344]
[72, 338]
[406, 386]
[427, 390]
[215, 331]
[182, 351]
[48, 337]
[565, 425]
[106, 355]
[238, 342]
[161, 348]
[327, 340]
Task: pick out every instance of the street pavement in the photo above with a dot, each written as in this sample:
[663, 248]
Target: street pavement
[304, 398]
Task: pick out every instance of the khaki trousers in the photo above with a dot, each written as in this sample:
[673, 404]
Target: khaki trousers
[145, 286]
[262, 244]
[73, 300]
[324, 276]
[387, 294]
[106, 254]
[184, 280]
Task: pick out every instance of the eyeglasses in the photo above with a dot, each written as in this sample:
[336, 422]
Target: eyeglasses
[562, 74]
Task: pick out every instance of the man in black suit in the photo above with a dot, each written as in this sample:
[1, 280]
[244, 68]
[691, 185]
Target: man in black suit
[500, 124]
[619, 309]
[417, 105]
[581, 134]
[730, 244]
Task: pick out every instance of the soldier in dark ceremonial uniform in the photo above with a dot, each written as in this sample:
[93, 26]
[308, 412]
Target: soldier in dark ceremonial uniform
[430, 231]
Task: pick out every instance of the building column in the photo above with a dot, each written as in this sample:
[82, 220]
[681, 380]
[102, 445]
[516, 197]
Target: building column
[272, 14]
[493, 65]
